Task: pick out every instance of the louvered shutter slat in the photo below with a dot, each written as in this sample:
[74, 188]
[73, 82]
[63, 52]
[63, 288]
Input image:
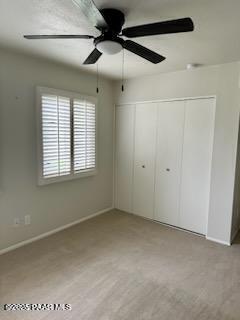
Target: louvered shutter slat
[84, 126]
[56, 136]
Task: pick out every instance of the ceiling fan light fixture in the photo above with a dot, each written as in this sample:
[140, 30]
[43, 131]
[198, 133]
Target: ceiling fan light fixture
[109, 47]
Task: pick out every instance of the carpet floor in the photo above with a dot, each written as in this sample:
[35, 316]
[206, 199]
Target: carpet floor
[121, 267]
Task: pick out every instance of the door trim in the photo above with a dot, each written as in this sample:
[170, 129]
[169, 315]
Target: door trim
[166, 100]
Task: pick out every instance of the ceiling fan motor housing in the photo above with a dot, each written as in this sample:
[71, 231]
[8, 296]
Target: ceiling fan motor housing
[114, 18]
[109, 41]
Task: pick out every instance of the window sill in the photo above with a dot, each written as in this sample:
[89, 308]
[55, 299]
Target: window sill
[83, 174]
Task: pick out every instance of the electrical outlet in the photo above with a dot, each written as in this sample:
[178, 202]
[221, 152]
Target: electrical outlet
[16, 222]
[27, 219]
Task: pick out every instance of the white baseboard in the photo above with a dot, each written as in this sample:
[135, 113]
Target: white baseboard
[49, 233]
[218, 241]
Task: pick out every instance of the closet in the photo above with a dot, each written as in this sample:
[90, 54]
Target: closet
[169, 161]
[125, 119]
[163, 161]
[144, 159]
[196, 164]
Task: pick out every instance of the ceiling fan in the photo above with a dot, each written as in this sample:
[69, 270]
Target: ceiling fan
[110, 22]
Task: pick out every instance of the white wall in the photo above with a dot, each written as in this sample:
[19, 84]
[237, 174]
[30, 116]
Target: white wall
[221, 81]
[236, 202]
[57, 204]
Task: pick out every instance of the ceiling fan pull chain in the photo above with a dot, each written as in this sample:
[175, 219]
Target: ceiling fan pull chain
[122, 69]
[97, 90]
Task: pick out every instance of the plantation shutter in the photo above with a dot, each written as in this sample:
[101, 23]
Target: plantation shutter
[56, 136]
[84, 135]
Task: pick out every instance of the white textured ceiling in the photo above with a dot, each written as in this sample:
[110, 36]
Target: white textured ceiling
[214, 41]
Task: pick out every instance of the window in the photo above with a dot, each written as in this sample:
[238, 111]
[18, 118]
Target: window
[66, 135]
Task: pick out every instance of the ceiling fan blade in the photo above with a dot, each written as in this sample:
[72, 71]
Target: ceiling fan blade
[143, 52]
[164, 27]
[57, 36]
[92, 13]
[93, 57]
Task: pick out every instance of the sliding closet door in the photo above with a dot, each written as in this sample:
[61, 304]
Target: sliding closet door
[144, 161]
[196, 164]
[124, 156]
[168, 163]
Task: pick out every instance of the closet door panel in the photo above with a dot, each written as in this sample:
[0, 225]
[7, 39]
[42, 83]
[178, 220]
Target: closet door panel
[168, 161]
[196, 164]
[124, 157]
[144, 160]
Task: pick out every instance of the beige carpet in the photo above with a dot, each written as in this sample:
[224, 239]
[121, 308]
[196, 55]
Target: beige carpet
[121, 267]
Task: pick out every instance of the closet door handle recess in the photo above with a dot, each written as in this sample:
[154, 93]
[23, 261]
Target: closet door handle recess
[168, 169]
[143, 166]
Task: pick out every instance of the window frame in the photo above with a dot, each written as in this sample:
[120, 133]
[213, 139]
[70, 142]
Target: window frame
[72, 95]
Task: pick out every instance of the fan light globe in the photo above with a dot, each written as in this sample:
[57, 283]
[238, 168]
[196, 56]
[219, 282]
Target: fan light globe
[109, 47]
